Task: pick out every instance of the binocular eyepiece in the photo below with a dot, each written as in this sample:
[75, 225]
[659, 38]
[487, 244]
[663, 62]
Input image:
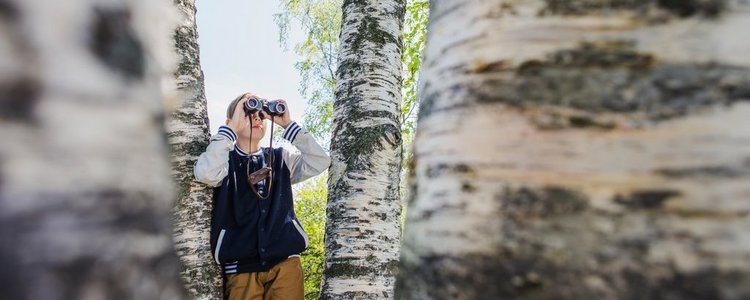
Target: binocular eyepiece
[273, 107]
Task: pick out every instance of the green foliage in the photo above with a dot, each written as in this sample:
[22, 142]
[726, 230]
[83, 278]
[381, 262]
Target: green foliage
[415, 31]
[310, 207]
[318, 52]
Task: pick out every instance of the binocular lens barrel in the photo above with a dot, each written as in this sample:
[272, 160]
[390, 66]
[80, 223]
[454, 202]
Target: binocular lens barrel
[274, 108]
[253, 105]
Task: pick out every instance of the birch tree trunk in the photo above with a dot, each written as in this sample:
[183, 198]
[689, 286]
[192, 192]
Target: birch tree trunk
[188, 137]
[582, 150]
[85, 193]
[363, 212]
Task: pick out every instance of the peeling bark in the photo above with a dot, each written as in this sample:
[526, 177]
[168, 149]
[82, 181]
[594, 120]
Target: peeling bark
[188, 134]
[363, 212]
[581, 150]
[85, 193]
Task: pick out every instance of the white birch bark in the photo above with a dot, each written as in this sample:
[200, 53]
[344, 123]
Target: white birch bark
[363, 212]
[188, 134]
[582, 150]
[85, 192]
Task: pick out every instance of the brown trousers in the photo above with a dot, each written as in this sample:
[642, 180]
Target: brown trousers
[282, 282]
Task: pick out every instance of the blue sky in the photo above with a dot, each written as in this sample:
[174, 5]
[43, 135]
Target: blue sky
[240, 52]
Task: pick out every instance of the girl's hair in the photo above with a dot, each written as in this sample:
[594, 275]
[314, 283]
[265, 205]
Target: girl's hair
[233, 104]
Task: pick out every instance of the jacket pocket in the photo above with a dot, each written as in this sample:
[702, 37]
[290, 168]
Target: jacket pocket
[301, 232]
[218, 246]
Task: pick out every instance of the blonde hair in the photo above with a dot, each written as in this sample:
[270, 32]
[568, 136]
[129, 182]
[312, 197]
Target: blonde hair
[233, 104]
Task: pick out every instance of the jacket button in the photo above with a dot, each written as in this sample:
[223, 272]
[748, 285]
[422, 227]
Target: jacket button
[262, 229]
[262, 249]
[263, 211]
[263, 263]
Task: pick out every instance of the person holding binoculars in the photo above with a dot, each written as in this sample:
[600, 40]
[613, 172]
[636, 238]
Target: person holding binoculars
[256, 237]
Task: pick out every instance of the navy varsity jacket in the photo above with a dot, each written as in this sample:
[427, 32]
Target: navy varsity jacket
[249, 234]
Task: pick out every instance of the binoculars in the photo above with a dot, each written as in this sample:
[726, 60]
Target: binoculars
[273, 107]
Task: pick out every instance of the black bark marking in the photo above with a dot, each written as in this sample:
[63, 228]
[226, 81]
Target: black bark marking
[106, 214]
[467, 187]
[494, 66]
[381, 216]
[508, 275]
[583, 7]
[457, 208]
[115, 44]
[116, 210]
[612, 77]
[434, 171]
[687, 8]
[582, 121]
[8, 10]
[352, 295]
[601, 54]
[708, 283]
[649, 199]
[141, 219]
[19, 98]
[486, 277]
[707, 171]
[679, 8]
[542, 202]
[2, 176]
[356, 267]
[14, 286]
[552, 120]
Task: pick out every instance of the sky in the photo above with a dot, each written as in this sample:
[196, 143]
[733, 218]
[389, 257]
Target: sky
[240, 52]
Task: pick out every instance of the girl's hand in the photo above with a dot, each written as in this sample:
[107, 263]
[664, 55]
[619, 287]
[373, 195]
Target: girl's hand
[239, 120]
[285, 119]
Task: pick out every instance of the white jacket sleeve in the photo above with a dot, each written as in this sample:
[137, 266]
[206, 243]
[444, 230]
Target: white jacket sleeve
[312, 159]
[213, 165]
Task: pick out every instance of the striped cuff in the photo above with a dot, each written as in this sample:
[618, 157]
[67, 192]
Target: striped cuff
[291, 131]
[228, 133]
[230, 268]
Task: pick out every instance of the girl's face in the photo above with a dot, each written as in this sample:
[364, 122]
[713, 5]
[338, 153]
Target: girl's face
[253, 123]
